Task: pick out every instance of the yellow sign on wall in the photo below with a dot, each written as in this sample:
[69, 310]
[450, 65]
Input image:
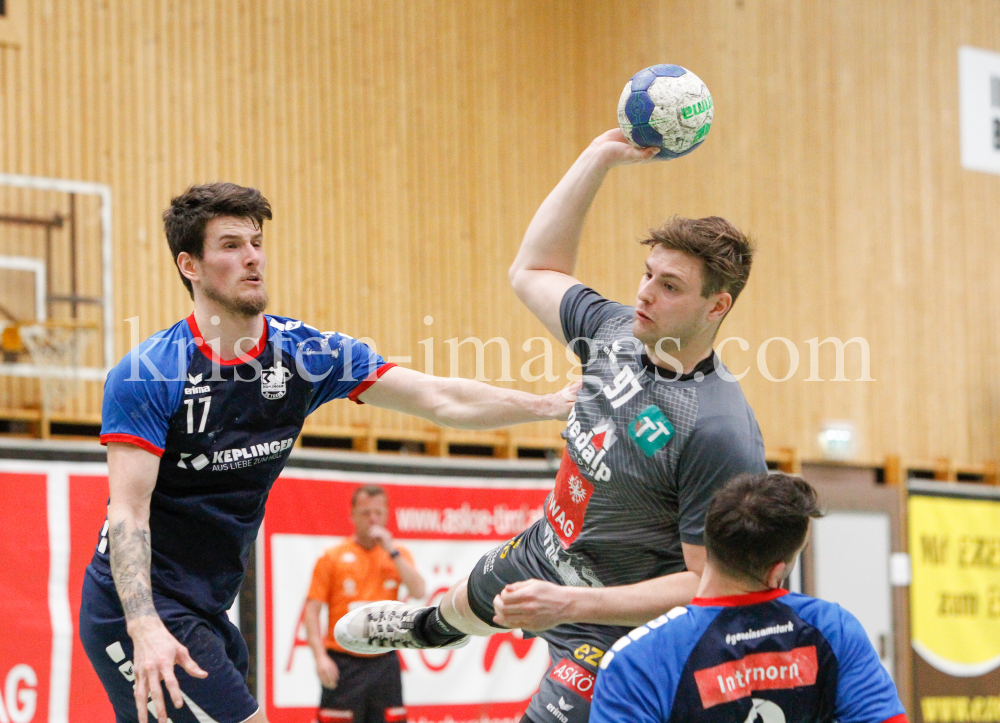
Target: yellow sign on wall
[955, 591]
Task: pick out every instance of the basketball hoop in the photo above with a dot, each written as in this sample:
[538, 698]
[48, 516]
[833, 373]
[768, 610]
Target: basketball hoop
[57, 348]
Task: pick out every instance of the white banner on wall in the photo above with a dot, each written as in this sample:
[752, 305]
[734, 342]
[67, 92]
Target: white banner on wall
[979, 102]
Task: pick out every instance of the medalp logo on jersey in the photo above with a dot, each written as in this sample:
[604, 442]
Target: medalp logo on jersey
[651, 430]
[592, 445]
[272, 380]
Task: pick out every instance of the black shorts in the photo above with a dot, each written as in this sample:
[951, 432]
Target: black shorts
[214, 643]
[369, 690]
[576, 649]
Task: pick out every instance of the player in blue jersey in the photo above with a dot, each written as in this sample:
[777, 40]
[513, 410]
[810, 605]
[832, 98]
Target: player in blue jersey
[199, 421]
[745, 649]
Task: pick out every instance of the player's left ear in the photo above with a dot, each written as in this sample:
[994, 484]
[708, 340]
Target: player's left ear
[777, 574]
[723, 302]
[187, 265]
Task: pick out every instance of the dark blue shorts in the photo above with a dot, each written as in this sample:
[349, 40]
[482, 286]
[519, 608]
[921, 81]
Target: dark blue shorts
[214, 643]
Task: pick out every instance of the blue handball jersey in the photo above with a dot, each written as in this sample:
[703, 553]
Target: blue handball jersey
[223, 430]
[770, 657]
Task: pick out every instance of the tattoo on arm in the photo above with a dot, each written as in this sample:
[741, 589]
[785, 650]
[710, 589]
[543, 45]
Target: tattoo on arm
[130, 562]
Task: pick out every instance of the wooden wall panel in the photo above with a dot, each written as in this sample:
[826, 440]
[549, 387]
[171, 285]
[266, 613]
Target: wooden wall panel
[405, 146]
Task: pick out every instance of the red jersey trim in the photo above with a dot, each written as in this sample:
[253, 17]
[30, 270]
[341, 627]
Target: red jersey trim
[208, 351]
[132, 439]
[731, 601]
[901, 718]
[369, 380]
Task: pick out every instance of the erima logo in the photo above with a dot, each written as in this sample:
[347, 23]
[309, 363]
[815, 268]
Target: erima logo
[560, 716]
[563, 705]
[195, 379]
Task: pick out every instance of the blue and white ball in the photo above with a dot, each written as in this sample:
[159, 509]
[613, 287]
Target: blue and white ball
[666, 107]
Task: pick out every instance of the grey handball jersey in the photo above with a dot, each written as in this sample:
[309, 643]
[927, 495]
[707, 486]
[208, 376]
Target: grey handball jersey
[645, 451]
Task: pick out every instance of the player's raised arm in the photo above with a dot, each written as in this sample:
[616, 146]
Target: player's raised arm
[542, 272]
[132, 474]
[463, 403]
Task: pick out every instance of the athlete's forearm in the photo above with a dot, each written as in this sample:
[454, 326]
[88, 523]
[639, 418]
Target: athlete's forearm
[131, 556]
[553, 236]
[632, 604]
[466, 404]
[311, 618]
[132, 475]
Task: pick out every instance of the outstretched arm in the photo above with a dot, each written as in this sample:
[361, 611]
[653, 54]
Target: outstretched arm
[463, 403]
[542, 272]
[132, 476]
[539, 605]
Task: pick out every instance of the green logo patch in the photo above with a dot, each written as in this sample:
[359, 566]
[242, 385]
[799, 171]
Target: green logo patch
[651, 430]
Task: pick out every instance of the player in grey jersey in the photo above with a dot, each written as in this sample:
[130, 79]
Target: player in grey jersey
[658, 426]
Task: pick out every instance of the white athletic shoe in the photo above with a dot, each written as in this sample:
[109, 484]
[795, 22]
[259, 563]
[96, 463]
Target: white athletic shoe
[382, 626]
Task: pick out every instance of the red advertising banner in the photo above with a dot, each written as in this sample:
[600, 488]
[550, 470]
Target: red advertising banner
[448, 528]
[52, 514]
[25, 627]
[88, 506]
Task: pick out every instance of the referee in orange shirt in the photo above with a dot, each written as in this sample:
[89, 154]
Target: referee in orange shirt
[364, 568]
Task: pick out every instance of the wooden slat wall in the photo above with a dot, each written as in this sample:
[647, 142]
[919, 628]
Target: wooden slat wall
[405, 146]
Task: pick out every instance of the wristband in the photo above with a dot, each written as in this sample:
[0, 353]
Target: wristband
[394, 554]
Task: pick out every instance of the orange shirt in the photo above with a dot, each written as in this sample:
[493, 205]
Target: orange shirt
[348, 575]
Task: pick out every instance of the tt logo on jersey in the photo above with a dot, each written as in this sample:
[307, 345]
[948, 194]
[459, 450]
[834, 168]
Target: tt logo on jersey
[651, 430]
[272, 380]
[592, 445]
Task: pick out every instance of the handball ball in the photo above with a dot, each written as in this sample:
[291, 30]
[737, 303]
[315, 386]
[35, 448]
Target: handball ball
[666, 107]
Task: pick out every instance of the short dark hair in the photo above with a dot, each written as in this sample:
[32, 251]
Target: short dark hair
[190, 212]
[370, 490]
[757, 520]
[726, 252]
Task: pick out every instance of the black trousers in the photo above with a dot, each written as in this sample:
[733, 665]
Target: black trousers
[369, 690]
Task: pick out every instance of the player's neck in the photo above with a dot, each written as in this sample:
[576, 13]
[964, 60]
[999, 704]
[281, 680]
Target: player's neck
[231, 328]
[715, 583]
[689, 356]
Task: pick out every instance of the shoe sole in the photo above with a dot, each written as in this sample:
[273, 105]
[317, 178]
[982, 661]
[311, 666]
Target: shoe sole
[348, 642]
